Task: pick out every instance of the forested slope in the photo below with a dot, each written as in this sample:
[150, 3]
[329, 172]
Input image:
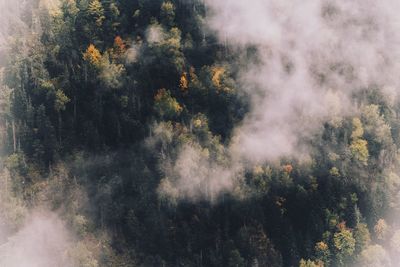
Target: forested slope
[138, 124]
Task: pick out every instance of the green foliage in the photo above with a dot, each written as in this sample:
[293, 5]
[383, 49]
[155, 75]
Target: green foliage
[323, 253]
[308, 263]
[96, 10]
[362, 237]
[69, 8]
[111, 74]
[61, 101]
[344, 243]
[167, 13]
[359, 150]
[235, 260]
[12, 208]
[376, 125]
[358, 130]
[359, 146]
[165, 105]
[86, 131]
[334, 172]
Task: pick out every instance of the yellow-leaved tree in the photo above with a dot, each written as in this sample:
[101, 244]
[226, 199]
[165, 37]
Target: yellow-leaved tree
[358, 145]
[92, 55]
[96, 10]
[166, 105]
[183, 82]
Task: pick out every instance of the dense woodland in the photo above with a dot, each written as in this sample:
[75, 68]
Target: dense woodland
[96, 94]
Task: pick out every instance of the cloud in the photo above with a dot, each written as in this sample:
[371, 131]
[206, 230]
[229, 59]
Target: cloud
[132, 54]
[155, 34]
[42, 242]
[194, 176]
[33, 237]
[9, 19]
[312, 57]
[311, 54]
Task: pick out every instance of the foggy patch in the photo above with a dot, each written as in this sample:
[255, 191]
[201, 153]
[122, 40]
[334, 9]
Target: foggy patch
[155, 34]
[311, 58]
[43, 241]
[196, 177]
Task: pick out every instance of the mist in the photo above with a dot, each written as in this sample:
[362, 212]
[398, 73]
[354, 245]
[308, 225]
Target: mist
[196, 177]
[42, 241]
[312, 58]
[199, 133]
[29, 236]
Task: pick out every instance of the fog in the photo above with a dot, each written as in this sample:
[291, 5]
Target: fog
[312, 57]
[33, 237]
[43, 241]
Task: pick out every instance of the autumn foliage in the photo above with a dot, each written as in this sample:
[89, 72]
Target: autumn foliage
[92, 55]
[183, 82]
[119, 45]
[217, 72]
[166, 105]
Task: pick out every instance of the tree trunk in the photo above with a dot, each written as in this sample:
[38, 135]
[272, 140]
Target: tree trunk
[59, 126]
[75, 108]
[14, 137]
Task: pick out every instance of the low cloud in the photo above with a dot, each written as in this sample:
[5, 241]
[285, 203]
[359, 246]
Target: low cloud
[43, 241]
[155, 34]
[311, 59]
[194, 176]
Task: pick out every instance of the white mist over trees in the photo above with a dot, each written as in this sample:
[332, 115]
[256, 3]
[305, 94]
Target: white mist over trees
[311, 60]
[199, 133]
[29, 236]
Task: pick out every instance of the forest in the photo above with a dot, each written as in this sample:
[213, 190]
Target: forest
[163, 133]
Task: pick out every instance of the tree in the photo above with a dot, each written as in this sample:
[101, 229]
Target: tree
[310, 263]
[378, 130]
[323, 253]
[167, 13]
[183, 82]
[358, 130]
[59, 105]
[119, 46]
[69, 9]
[235, 259]
[260, 248]
[111, 74]
[61, 101]
[359, 146]
[165, 105]
[12, 208]
[381, 229]
[344, 243]
[362, 237]
[96, 11]
[92, 55]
